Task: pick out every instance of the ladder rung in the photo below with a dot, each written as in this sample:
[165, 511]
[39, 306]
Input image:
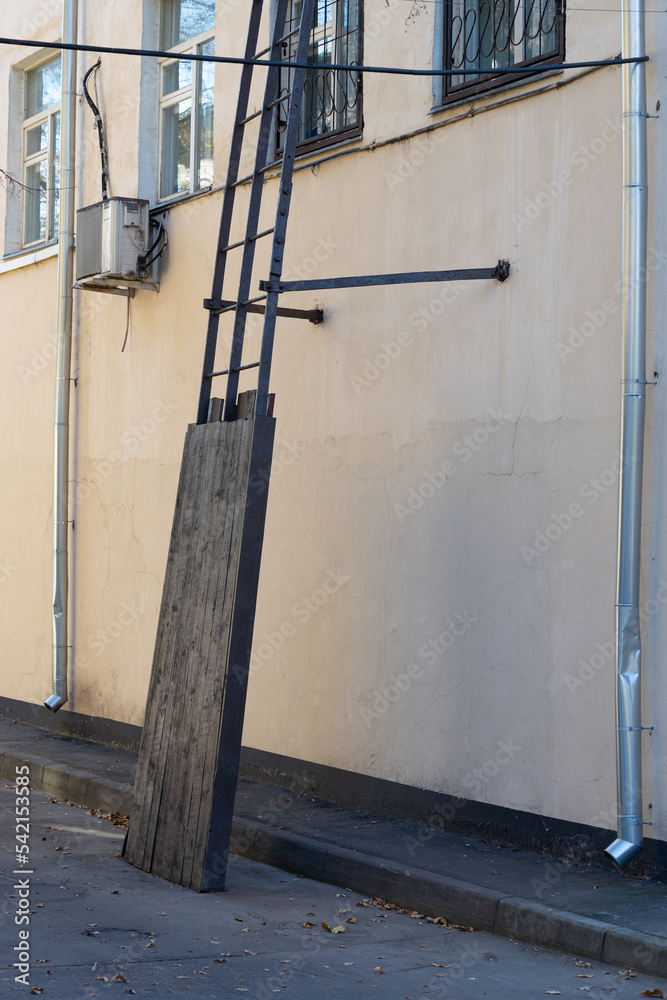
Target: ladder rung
[279, 100]
[242, 368]
[267, 107]
[237, 305]
[258, 55]
[262, 170]
[249, 239]
[244, 121]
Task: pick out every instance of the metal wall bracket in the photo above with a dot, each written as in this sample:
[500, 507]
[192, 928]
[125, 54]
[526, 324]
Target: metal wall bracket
[125, 292]
[500, 272]
[315, 316]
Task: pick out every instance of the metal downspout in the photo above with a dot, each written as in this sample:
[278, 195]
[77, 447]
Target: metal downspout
[630, 839]
[63, 363]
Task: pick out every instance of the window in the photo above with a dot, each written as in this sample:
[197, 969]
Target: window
[331, 106]
[186, 98]
[41, 152]
[487, 35]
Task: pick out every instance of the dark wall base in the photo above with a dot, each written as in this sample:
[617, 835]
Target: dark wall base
[557, 838]
[85, 727]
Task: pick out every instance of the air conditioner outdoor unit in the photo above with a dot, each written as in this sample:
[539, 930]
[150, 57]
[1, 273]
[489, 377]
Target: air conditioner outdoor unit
[113, 238]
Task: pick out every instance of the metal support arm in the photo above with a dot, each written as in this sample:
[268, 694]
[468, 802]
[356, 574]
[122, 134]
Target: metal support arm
[500, 272]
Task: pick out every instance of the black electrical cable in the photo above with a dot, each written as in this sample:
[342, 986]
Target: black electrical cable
[241, 61]
[145, 259]
[100, 130]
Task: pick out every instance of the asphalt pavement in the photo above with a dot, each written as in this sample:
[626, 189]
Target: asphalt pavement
[96, 927]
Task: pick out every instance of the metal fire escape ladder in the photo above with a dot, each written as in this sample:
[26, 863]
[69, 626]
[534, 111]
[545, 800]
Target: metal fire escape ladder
[244, 303]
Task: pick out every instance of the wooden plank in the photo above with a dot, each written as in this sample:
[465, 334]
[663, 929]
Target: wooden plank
[206, 621]
[214, 652]
[223, 793]
[223, 503]
[136, 849]
[168, 644]
[180, 731]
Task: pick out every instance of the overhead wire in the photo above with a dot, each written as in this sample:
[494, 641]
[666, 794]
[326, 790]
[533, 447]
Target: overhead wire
[285, 64]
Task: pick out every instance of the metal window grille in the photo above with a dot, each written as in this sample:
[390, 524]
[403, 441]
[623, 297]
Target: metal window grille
[331, 106]
[487, 35]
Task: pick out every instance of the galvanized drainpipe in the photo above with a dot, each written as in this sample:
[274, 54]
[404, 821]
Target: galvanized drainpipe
[63, 363]
[630, 839]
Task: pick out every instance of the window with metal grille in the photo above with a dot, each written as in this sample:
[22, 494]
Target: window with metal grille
[331, 106]
[488, 35]
[41, 152]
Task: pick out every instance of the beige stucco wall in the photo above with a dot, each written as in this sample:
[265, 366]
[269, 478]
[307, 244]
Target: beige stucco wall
[372, 552]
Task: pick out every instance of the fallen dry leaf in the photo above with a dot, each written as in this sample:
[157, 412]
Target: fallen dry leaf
[339, 929]
[582, 965]
[351, 920]
[241, 920]
[553, 993]
[307, 924]
[626, 974]
[348, 963]
[130, 991]
[652, 993]
[246, 952]
[37, 989]
[583, 975]
[361, 904]
[378, 969]
[436, 965]
[462, 927]
[219, 959]
[119, 978]
[325, 926]
[102, 979]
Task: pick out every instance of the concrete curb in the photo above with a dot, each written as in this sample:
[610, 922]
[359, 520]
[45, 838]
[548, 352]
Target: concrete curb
[416, 889]
[70, 784]
[459, 902]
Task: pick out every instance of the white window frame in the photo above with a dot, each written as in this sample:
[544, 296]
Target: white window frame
[192, 92]
[47, 154]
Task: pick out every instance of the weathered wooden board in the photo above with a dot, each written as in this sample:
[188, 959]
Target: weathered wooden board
[189, 759]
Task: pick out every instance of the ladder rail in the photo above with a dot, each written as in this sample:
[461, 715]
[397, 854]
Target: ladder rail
[282, 210]
[254, 208]
[228, 206]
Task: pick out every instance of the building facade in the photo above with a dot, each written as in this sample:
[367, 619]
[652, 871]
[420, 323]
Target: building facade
[435, 619]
